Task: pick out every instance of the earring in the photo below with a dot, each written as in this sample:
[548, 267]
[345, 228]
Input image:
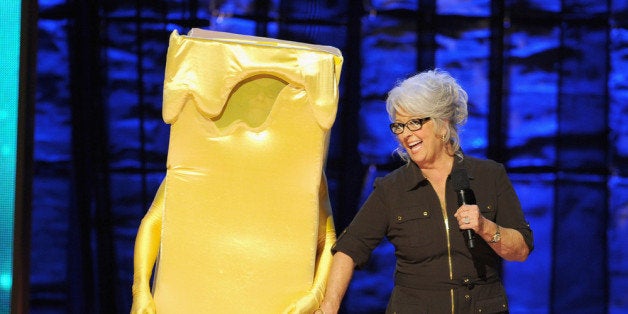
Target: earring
[443, 138]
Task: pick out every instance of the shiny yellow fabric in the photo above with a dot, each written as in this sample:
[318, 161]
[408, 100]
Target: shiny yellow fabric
[242, 221]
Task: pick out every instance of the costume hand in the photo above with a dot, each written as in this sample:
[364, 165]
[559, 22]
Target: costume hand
[143, 303]
[469, 217]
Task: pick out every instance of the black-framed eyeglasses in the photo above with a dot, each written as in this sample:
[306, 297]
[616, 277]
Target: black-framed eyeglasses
[412, 125]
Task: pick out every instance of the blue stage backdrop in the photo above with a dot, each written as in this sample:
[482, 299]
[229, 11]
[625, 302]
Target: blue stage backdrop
[548, 98]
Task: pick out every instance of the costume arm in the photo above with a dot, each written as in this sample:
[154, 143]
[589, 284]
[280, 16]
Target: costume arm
[326, 239]
[146, 249]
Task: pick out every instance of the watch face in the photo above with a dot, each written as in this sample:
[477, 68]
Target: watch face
[496, 237]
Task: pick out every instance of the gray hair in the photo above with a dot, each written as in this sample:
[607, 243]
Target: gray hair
[434, 94]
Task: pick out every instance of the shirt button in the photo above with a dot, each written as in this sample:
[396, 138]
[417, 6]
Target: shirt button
[467, 297]
[399, 218]
[425, 214]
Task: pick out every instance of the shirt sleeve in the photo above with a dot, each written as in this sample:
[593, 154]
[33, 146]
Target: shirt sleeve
[366, 230]
[510, 214]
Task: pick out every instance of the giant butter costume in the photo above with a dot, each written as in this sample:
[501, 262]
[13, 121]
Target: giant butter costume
[241, 222]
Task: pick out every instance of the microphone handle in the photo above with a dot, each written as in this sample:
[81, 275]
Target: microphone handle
[470, 238]
[467, 197]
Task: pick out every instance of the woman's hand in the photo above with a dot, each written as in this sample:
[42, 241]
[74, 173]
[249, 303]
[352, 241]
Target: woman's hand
[469, 217]
[325, 309]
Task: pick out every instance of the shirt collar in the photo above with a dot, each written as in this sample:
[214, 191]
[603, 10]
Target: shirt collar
[463, 163]
[413, 177]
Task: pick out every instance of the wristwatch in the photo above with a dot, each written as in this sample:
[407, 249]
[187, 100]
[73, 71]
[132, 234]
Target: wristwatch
[497, 236]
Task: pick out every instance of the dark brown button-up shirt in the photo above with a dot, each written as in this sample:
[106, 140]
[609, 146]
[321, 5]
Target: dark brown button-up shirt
[405, 208]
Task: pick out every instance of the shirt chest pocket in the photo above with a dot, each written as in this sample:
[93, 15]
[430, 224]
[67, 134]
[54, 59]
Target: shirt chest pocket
[488, 207]
[412, 227]
[487, 202]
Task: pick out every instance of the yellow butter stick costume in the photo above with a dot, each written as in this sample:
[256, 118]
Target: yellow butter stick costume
[242, 222]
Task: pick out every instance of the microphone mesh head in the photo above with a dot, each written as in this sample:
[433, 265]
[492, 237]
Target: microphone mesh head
[460, 179]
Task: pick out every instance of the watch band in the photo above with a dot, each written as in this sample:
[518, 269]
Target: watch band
[497, 236]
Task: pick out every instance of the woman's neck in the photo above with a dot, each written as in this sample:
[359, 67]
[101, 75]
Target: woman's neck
[442, 159]
[439, 169]
[436, 174]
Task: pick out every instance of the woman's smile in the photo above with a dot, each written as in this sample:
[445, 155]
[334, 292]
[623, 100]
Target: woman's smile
[414, 146]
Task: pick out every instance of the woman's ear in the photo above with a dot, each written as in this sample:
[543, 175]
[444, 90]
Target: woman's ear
[444, 131]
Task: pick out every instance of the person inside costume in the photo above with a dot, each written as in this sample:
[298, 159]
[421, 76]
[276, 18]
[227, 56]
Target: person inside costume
[242, 221]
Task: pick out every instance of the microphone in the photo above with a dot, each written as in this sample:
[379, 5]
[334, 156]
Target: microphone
[460, 181]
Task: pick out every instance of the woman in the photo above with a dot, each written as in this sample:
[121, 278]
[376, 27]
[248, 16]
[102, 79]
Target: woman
[416, 208]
